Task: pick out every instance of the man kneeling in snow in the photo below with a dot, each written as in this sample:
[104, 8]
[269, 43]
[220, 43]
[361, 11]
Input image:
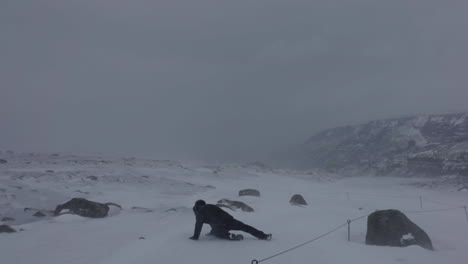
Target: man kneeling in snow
[221, 223]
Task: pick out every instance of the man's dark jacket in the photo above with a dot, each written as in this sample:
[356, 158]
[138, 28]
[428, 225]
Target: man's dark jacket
[212, 215]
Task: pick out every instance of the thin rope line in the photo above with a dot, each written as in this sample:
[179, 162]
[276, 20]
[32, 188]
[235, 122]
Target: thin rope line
[337, 228]
[435, 210]
[303, 244]
[359, 218]
[439, 202]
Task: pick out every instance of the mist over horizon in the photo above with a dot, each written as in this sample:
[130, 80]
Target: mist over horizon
[220, 80]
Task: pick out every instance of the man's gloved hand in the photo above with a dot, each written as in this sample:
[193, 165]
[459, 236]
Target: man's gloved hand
[193, 238]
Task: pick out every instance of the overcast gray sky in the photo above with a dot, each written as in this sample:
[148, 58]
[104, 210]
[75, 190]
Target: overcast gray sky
[220, 79]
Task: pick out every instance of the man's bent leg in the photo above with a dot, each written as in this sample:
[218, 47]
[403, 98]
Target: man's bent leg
[220, 232]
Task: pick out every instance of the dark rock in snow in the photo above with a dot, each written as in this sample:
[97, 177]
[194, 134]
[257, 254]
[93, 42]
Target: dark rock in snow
[50, 171]
[225, 206]
[85, 208]
[2, 161]
[39, 214]
[6, 229]
[8, 219]
[297, 199]
[93, 178]
[393, 228]
[249, 192]
[234, 205]
[79, 191]
[142, 209]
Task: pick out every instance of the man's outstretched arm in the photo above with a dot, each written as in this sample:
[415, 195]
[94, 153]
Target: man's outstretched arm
[198, 228]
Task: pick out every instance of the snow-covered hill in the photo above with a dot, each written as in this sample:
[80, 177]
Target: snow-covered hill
[157, 220]
[431, 145]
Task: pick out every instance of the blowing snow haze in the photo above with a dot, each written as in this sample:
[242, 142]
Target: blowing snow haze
[226, 80]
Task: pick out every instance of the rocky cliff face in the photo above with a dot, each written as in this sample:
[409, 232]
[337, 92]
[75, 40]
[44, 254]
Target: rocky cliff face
[422, 145]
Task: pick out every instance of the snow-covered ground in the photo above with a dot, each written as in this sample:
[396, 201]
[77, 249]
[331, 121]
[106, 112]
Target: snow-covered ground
[168, 189]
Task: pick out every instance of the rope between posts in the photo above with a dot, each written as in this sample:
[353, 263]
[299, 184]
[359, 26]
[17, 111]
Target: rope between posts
[359, 218]
[435, 210]
[298, 246]
[348, 222]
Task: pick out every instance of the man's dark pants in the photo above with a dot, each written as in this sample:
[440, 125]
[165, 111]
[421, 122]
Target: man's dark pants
[222, 231]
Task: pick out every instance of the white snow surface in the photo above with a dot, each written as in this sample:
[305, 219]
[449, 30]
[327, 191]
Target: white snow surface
[163, 185]
[406, 237]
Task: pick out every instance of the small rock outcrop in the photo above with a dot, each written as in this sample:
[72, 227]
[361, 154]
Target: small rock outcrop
[2, 161]
[39, 214]
[393, 228]
[93, 178]
[249, 192]
[234, 205]
[8, 219]
[297, 199]
[6, 229]
[85, 208]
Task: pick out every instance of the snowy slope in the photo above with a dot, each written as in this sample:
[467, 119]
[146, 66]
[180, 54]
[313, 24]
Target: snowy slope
[429, 145]
[42, 181]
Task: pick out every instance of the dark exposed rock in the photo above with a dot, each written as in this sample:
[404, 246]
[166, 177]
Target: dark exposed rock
[39, 214]
[8, 219]
[85, 208]
[297, 199]
[80, 191]
[430, 145]
[50, 171]
[142, 238]
[225, 206]
[142, 209]
[249, 192]
[393, 228]
[6, 229]
[234, 205]
[93, 178]
[2, 161]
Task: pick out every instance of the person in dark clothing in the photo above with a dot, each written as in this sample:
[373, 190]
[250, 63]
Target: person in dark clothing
[221, 223]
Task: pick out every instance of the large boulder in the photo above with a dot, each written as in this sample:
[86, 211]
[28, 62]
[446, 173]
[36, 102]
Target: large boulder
[393, 228]
[84, 208]
[6, 229]
[234, 205]
[249, 192]
[297, 199]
